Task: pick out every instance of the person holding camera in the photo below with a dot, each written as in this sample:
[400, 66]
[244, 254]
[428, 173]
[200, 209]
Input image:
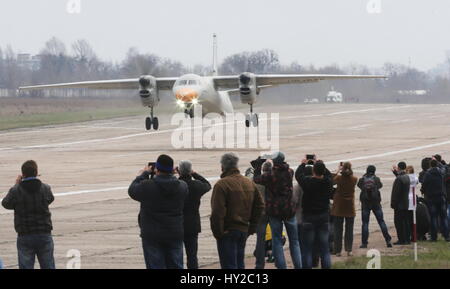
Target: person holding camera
[30, 199]
[236, 208]
[162, 197]
[281, 207]
[197, 187]
[317, 191]
[343, 208]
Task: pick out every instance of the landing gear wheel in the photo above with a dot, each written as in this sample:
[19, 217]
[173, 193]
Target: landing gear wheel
[155, 123]
[247, 120]
[191, 113]
[255, 120]
[148, 123]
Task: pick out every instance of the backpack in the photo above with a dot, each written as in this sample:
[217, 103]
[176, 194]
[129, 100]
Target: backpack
[281, 202]
[370, 188]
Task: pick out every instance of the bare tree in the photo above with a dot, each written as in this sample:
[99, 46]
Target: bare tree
[136, 63]
[54, 47]
[83, 51]
[262, 61]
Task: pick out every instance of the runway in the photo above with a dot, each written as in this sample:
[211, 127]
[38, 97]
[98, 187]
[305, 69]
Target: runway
[90, 165]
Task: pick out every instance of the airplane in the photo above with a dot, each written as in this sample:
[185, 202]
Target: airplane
[212, 92]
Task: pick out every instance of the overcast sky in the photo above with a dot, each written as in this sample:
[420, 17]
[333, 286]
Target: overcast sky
[315, 31]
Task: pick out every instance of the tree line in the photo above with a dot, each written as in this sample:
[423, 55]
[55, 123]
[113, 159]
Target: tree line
[79, 62]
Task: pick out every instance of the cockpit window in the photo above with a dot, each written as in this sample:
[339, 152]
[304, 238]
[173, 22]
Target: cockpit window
[188, 82]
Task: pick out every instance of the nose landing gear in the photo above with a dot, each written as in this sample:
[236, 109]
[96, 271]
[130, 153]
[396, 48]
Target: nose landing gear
[251, 118]
[189, 112]
[151, 121]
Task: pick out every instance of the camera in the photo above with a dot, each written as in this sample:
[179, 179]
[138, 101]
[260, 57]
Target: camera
[258, 162]
[152, 166]
[310, 157]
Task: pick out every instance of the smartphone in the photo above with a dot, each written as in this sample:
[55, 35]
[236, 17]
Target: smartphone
[310, 157]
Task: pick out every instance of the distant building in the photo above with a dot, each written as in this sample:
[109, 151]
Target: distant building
[27, 61]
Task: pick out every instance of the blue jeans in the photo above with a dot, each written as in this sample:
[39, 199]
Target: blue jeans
[448, 215]
[276, 225]
[231, 248]
[438, 210]
[31, 246]
[365, 216]
[166, 254]
[316, 232]
[191, 247]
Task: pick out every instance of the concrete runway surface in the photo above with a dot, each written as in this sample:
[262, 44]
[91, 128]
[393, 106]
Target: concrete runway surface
[90, 165]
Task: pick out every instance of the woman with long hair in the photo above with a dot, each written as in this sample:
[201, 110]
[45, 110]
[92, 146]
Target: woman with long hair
[344, 208]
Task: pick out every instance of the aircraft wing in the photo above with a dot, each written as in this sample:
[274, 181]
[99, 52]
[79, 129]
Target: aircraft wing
[163, 83]
[278, 79]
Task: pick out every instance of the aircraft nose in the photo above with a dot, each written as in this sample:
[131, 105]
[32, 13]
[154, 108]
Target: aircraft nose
[186, 94]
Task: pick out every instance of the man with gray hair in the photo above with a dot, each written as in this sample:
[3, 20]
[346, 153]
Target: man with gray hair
[197, 187]
[236, 207]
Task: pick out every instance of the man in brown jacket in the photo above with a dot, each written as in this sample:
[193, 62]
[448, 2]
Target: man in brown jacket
[236, 206]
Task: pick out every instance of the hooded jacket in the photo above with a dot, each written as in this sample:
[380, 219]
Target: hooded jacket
[236, 204]
[162, 202]
[280, 200]
[433, 184]
[30, 201]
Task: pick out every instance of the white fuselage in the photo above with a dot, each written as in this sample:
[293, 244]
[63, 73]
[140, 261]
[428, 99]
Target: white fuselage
[191, 89]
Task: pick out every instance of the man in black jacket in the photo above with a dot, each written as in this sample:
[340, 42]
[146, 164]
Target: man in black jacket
[30, 199]
[197, 187]
[317, 192]
[370, 198]
[400, 204]
[433, 188]
[161, 215]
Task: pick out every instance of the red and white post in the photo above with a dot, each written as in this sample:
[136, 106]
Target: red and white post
[414, 236]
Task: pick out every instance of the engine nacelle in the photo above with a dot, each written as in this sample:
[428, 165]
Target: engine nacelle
[148, 91]
[247, 88]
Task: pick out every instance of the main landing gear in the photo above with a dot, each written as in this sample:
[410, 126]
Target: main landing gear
[251, 118]
[151, 121]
